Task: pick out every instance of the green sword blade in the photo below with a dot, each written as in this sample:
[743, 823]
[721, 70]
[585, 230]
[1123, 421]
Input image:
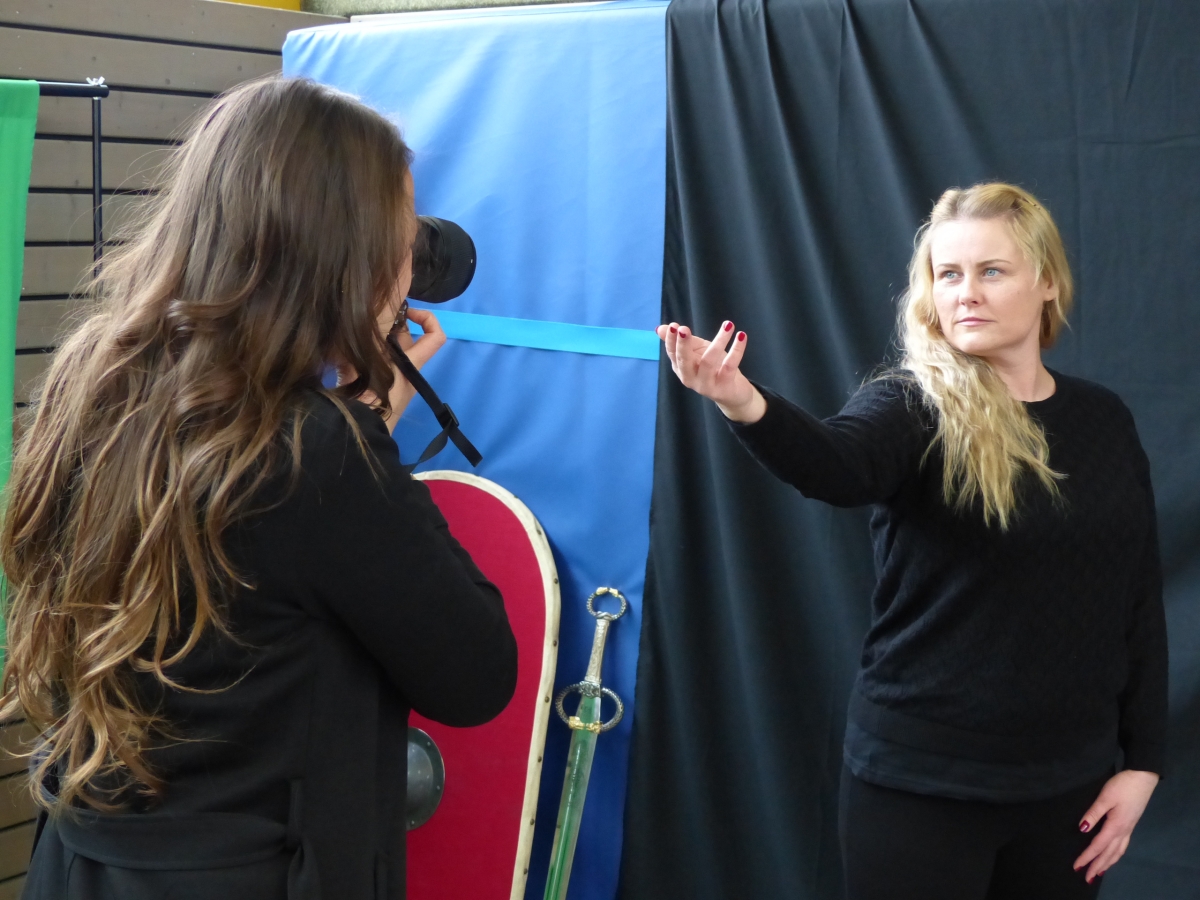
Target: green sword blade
[585, 728]
[570, 808]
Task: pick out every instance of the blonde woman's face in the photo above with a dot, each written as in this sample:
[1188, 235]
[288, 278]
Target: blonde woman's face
[989, 301]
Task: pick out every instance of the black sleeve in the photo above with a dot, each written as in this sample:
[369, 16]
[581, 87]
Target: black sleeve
[862, 455]
[385, 564]
[1143, 703]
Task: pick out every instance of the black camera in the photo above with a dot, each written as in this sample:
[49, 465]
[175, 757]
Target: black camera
[443, 261]
[443, 265]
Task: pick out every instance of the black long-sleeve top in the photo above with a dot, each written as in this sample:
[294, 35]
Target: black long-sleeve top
[1000, 665]
[362, 607]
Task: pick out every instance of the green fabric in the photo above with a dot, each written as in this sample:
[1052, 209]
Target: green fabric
[18, 120]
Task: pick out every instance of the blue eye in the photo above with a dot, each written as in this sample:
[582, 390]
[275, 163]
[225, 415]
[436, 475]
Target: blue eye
[991, 271]
[946, 276]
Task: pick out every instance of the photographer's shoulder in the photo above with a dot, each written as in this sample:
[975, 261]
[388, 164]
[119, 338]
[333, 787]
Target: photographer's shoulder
[343, 438]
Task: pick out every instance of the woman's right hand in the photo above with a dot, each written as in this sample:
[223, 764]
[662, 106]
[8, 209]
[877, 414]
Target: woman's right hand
[710, 368]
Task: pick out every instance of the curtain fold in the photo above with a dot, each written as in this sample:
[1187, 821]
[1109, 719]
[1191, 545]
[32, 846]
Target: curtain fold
[807, 140]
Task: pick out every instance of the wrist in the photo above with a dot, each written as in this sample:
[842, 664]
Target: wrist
[1143, 774]
[746, 413]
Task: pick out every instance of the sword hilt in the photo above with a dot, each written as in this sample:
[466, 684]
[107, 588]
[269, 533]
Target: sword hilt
[587, 689]
[603, 620]
[590, 686]
[607, 616]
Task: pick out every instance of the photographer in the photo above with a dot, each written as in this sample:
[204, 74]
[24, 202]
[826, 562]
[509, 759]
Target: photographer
[225, 593]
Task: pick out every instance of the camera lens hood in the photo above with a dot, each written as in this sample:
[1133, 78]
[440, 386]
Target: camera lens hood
[443, 260]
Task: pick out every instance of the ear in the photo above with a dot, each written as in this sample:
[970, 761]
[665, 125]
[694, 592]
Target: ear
[1049, 289]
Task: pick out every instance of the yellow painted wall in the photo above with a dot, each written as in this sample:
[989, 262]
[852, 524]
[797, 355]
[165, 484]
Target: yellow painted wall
[275, 4]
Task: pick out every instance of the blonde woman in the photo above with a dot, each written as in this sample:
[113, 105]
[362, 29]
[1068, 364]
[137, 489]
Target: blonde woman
[225, 592]
[1007, 725]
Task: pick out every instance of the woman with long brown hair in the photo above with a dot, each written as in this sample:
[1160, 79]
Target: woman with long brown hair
[225, 594]
[1017, 648]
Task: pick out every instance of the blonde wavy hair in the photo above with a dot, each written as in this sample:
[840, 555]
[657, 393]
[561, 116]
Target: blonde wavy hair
[987, 437]
[280, 232]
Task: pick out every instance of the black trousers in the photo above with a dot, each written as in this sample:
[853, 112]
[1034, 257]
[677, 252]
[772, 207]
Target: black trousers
[897, 845]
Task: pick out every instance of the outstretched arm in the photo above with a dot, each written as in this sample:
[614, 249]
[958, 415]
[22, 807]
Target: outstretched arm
[860, 456]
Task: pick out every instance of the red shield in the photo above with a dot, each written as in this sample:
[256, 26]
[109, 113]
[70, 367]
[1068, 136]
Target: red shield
[476, 846]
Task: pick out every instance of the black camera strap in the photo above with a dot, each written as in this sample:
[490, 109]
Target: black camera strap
[442, 411]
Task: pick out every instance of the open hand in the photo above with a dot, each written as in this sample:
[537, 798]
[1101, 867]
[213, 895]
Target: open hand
[1121, 803]
[710, 368]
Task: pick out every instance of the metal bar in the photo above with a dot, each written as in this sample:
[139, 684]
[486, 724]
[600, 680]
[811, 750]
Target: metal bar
[96, 89]
[70, 89]
[97, 185]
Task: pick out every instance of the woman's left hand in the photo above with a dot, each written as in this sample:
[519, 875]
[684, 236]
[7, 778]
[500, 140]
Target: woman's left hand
[419, 350]
[1121, 803]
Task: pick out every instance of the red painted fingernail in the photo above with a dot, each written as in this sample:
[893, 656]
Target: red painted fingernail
[674, 330]
[741, 335]
[729, 326]
[1101, 874]
[1084, 827]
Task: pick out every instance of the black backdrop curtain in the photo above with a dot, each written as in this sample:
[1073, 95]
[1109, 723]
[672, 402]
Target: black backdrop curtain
[807, 140]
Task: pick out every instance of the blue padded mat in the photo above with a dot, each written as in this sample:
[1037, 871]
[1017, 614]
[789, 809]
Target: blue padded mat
[542, 132]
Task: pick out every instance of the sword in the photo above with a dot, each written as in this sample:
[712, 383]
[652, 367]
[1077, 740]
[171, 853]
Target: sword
[585, 726]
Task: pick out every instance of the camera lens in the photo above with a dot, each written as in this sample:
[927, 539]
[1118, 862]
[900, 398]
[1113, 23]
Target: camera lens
[443, 260]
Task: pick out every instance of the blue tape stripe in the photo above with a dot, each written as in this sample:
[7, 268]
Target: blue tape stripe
[630, 343]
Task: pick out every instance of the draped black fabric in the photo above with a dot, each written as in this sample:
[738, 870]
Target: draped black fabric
[807, 141]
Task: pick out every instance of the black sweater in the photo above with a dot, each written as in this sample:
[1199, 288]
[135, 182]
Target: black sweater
[999, 665]
[363, 607]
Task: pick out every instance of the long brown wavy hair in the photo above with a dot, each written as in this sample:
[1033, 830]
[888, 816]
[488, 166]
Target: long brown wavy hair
[282, 227]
